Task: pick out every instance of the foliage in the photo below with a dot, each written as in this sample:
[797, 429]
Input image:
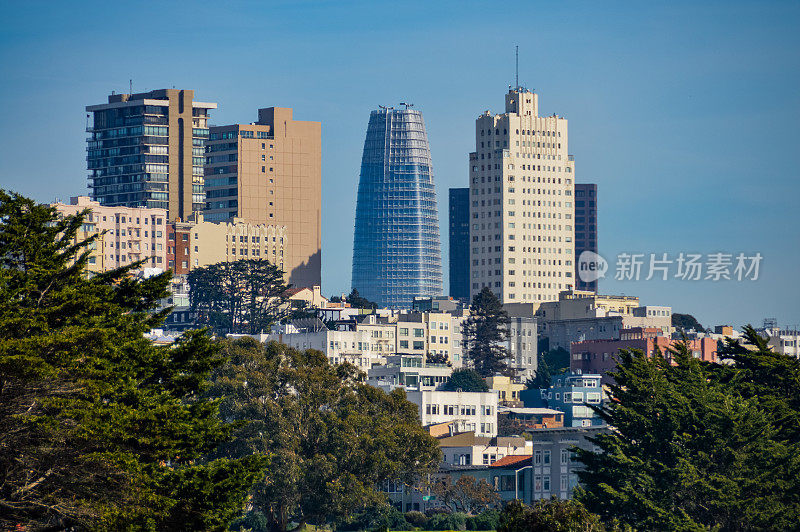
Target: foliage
[448, 521]
[486, 520]
[299, 310]
[467, 494]
[552, 515]
[243, 296]
[356, 301]
[437, 358]
[698, 445]
[417, 519]
[551, 362]
[686, 322]
[485, 333]
[467, 380]
[100, 429]
[252, 521]
[331, 439]
[375, 517]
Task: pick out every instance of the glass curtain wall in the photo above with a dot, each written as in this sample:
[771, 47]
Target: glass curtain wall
[396, 248]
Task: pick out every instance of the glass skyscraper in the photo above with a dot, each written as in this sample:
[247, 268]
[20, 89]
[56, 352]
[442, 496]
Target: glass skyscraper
[459, 243]
[396, 249]
[148, 150]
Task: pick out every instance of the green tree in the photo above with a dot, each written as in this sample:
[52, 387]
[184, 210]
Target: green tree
[485, 333]
[243, 296]
[331, 439]
[467, 494]
[699, 446]
[686, 322]
[356, 301]
[100, 429]
[437, 358]
[549, 363]
[552, 515]
[467, 380]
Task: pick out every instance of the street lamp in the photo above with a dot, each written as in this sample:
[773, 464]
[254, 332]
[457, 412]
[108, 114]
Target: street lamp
[516, 480]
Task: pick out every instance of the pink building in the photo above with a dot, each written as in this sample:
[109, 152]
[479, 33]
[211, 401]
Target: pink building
[127, 234]
[599, 356]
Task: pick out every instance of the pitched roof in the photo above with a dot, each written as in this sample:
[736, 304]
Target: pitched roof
[517, 460]
[292, 291]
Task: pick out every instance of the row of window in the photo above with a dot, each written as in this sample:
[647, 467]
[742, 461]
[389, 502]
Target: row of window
[458, 410]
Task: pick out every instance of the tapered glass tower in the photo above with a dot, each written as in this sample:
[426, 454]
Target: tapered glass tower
[396, 249]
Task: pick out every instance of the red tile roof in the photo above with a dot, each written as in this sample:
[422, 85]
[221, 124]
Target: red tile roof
[518, 460]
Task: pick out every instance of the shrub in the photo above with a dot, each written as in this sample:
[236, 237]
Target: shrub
[442, 521]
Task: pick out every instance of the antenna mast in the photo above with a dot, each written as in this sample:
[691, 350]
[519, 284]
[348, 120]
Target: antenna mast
[516, 72]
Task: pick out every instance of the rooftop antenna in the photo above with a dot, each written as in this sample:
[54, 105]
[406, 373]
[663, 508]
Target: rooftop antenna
[516, 71]
[130, 85]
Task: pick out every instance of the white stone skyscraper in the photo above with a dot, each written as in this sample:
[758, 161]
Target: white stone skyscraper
[521, 203]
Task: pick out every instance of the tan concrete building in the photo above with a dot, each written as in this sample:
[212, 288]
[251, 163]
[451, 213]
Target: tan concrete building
[439, 333]
[521, 203]
[270, 172]
[127, 234]
[148, 150]
[577, 304]
[211, 243]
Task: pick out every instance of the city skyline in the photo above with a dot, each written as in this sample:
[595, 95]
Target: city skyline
[666, 131]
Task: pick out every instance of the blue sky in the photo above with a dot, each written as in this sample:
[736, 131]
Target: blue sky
[685, 113]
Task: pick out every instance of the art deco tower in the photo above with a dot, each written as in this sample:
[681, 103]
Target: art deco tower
[396, 249]
[521, 192]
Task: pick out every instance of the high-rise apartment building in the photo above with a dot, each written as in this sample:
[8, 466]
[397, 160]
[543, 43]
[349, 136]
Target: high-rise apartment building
[521, 203]
[396, 250]
[270, 172]
[125, 234]
[585, 228]
[148, 150]
[459, 243]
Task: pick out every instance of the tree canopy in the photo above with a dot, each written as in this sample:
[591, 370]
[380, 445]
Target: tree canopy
[685, 322]
[331, 439]
[485, 334]
[356, 301]
[100, 429]
[549, 363]
[244, 296]
[552, 515]
[466, 380]
[467, 494]
[697, 445]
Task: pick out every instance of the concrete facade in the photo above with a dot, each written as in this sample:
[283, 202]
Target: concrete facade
[211, 243]
[468, 411]
[126, 234]
[570, 393]
[270, 172]
[555, 468]
[432, 332]
[600, 356]
[521, 203]
[522, 345]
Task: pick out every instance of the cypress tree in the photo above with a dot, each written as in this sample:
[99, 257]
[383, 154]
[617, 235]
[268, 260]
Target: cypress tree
[485, 334]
